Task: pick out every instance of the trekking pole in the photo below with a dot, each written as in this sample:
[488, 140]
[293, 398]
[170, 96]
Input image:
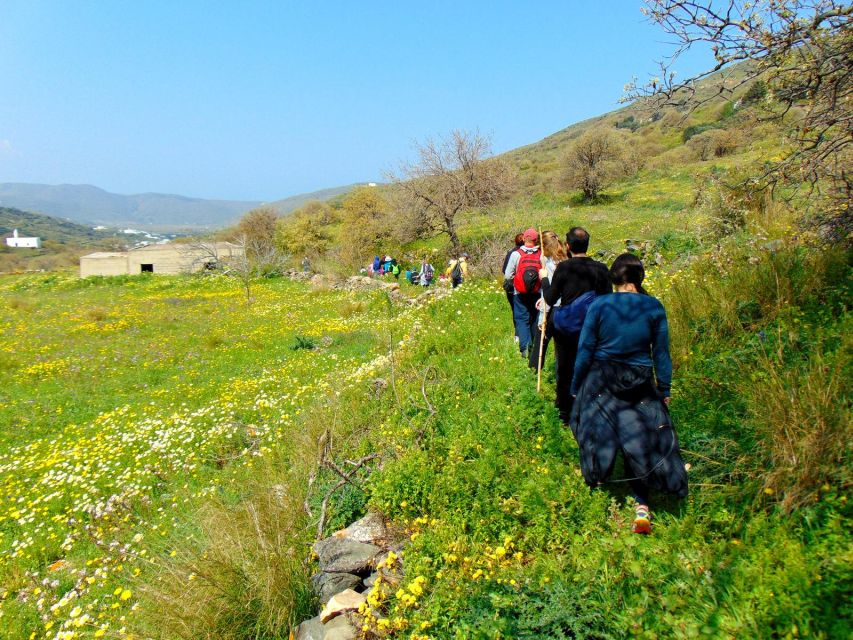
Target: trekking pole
[542, 331]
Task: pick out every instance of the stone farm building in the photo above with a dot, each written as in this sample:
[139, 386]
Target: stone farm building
[158, 258]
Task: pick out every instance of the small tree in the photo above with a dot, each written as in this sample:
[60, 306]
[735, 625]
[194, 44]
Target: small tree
[365, 215]
[597, 159]
[452, 175]
[306, 230]
[254, 258]
[258, 228]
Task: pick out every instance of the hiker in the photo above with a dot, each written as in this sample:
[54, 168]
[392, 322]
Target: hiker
[427, 273]
[622, 382]
[553, 252]
[522, 270]
[457, 269]
[395, 268]
[571, 280]
[510, 292]
[306, 265]
[377, 265]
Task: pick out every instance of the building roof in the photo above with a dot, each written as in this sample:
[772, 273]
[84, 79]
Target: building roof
[106, 254]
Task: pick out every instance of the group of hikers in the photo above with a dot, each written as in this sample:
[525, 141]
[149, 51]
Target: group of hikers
[613, 368]
[424, 274]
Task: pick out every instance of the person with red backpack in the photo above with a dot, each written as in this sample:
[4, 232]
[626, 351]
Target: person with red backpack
[522, 270]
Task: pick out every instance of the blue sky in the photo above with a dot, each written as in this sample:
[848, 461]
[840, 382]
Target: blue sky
[260, 100]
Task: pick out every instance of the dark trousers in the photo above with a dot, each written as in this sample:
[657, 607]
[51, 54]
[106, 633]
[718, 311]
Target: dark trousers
[566, 349]
[524, 315]
[533, 362]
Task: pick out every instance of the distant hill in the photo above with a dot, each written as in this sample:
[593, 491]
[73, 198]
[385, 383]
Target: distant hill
[165, 212]
[286, 205]
[86, 203]
[63, 241]
[47, 228]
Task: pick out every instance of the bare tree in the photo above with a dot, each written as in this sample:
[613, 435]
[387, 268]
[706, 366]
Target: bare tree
[595, 160]
[245, 258]
[255, 258]
[451, 175]
[801, 50]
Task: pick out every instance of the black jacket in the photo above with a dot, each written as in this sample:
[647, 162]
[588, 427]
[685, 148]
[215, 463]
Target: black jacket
[576, 276]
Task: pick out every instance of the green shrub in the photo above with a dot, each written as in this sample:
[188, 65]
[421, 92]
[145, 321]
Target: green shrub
[696, 129]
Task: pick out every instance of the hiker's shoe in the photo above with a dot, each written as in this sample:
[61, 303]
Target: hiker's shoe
[642, 520]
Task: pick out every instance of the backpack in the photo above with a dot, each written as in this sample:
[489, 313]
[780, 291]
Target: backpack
[568, 319]
[456, 273]
[395, 269]
[429, 272]
[526, 278]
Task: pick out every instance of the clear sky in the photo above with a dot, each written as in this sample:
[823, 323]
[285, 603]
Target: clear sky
[261, 100]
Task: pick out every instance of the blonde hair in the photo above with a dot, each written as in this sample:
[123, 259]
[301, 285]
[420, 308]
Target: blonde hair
[552, 247]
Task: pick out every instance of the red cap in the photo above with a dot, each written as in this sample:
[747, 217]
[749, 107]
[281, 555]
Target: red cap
[531, 234]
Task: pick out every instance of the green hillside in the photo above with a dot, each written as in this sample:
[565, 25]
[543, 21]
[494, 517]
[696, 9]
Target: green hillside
[63, 241]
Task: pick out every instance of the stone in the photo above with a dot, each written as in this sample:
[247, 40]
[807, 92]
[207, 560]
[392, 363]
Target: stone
[340, 555]
[341, 603]
[370, 529]
[310, 630]
[327, 585]
[370, 580]
[340, 628]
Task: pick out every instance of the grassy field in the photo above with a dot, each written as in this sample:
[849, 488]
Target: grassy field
[125, 402]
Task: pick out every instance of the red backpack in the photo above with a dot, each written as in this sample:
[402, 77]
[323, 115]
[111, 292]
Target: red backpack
[526, 278]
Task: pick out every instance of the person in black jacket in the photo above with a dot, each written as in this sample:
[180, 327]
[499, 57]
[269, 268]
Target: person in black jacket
[572, 278]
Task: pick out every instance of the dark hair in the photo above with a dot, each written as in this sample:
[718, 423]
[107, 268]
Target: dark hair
[578, 240]
[628, 269]
[519, 239]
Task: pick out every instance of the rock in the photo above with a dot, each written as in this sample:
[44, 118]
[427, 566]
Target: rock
[340, 555]
[658, 260]
[370, 580]
[310, 630]
[370, 529]
[340, 603]
[340, 628]
[327, 585]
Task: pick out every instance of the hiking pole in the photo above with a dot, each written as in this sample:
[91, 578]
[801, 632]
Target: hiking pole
[542, 329]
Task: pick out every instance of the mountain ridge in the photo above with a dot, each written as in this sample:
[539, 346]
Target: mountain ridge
[90, 204]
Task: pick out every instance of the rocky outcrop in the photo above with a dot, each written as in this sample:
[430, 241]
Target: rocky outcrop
[327, 585]
[346, 560]
[343, 555]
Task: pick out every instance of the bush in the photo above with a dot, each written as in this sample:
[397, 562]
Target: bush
[756, 92]
[696, 129]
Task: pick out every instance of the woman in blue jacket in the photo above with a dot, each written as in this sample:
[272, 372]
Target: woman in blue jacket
[622, 379]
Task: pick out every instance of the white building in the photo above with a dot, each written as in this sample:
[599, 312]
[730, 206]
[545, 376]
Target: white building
[28, 243]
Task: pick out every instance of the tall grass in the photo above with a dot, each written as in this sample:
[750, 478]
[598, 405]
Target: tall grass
[802, 416]
[745, 285]
[242, 574]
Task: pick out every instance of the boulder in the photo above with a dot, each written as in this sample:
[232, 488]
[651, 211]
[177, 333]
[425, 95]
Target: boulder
[370, 529]
[327, 585]
[340, 628]
[341, 603]
[310, 630]
[341, 555]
